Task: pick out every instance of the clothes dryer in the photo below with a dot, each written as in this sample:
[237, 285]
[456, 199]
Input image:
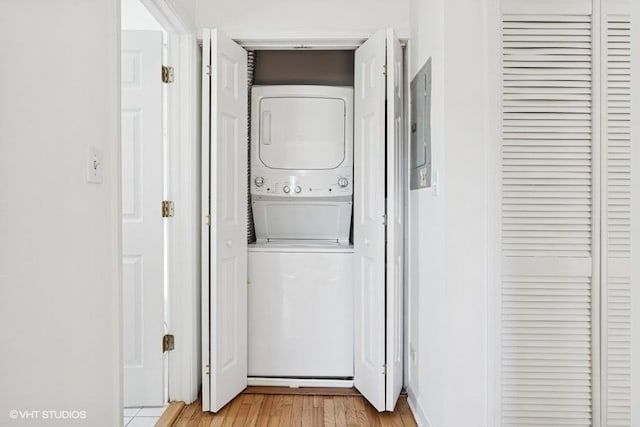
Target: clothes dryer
[302, 162]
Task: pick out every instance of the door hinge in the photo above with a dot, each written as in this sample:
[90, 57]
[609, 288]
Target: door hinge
[167, 74]
[209, 70]
[384, 219]
[384, 369]
[167, 209]
[384, 70]
[167, 343]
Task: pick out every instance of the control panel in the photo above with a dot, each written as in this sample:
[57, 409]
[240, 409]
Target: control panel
[300, 185]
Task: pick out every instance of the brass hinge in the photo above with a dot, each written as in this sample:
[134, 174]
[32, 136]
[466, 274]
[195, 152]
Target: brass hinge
[167, 209]
[167, 74]
[167, 343]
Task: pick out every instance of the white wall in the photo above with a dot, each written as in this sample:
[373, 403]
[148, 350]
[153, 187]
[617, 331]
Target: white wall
[426, 292]
[59, 251]
[135, 16]
[448, 238]
[185, 10]
[466, 178]
[299, 19]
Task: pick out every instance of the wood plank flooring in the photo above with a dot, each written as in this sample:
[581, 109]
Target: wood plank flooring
[300, 409]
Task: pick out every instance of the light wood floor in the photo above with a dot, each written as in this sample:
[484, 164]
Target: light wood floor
[272, 410]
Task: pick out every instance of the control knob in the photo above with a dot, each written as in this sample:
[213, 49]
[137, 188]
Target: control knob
[343, 182]
[286, 189]
[259, 181]
[298, 189]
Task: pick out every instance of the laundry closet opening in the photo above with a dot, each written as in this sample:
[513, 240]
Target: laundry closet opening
[300, 210]
[299, 68]
[303, 192]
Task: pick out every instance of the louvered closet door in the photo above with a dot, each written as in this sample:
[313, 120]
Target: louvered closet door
[616, 191]
[566, 164]
[549, 230]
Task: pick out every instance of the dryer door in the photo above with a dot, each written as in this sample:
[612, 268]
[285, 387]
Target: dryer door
[303, 132]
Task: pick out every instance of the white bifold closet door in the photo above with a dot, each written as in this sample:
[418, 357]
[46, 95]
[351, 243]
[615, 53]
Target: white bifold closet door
[565, 213]
[378, 228]
[224, 206]
[394, 221]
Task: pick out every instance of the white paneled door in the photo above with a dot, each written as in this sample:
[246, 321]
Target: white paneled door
[142, 229]
[224, 251]
[378, 220]
[368, 217]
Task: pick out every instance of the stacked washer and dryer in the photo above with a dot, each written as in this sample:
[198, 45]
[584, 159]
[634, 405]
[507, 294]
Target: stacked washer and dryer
[300, 268]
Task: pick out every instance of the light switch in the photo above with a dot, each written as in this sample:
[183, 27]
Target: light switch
[94, 165]
[422, 177]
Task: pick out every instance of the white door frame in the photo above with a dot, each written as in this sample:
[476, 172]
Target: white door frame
[348, 42]
[183, 180]
[493, 118]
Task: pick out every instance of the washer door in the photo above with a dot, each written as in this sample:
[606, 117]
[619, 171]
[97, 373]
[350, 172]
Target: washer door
[302, 132]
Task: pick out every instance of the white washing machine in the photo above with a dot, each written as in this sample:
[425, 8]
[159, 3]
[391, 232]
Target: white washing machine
[300, 270]
[300, 312]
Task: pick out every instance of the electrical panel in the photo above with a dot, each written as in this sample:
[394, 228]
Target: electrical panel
[420, 155]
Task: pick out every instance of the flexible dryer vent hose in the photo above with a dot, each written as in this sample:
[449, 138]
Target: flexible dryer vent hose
[251, 232]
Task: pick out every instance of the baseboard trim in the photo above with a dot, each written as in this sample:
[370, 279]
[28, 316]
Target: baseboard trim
[416, 409]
